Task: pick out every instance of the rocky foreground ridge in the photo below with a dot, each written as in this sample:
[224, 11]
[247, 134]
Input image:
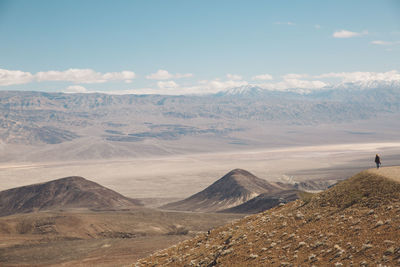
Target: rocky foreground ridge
[355, 223]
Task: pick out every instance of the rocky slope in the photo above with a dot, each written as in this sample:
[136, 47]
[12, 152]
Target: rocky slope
[233, 189]
[355, 223]
[266, 201]
[69, 192]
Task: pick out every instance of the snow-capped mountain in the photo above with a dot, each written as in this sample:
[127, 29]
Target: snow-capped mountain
[368, 84]
[344, 87]
[247, 90]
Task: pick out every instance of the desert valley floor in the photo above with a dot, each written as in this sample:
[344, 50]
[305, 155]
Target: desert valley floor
[118, 238]
[176, 177]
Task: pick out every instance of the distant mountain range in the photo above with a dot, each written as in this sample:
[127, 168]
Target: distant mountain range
[87, 126]
[352, 88]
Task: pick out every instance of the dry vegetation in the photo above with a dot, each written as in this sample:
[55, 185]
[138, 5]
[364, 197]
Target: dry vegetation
[356, 223]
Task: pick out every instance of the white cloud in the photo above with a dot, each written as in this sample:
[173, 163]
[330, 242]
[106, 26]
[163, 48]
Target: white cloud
[234, 77]
[385, 43]
[348, 34]
[10, 77]
[160, 75]
[167, 85]
[379, 42]
[211, 86]
[217, 85]
[262, 77]
[84, 76]
[357, 76]
[76, 89]
[165, 75]
[301, 83]
[294, 84]
[304, 84]
[126, 76]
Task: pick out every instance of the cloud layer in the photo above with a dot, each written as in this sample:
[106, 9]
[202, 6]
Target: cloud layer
[84, 76]
[348, 34]
[299, 82]
[165, 75]
[358, 76]
[11, 77]
[386, 43]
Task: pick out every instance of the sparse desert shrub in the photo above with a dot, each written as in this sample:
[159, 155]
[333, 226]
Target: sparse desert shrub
[306, 197]
[24, 227]
[4, 228]
[180, 230]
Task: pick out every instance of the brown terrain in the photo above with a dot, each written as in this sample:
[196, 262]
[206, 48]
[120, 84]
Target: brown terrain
[354, 223]
[103, 238]
[76, 222]
[233, 189]
[65, 193]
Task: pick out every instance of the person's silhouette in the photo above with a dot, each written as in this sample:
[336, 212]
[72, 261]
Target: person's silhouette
[377, 161]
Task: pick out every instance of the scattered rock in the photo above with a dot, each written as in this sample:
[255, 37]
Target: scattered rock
[371, 212]
[390, 251]
[378, 223]
[366, 246]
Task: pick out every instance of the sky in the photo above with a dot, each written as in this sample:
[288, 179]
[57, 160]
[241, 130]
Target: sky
[188, 46]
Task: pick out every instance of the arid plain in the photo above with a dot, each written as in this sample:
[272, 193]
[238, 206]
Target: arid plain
[174, 177]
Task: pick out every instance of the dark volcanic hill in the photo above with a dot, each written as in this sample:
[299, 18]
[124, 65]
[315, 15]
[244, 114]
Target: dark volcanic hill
[69, 192]
[265, 201]
[354, 223]
[235, 188]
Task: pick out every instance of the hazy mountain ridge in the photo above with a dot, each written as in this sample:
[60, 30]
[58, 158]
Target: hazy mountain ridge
[226, 103]
[233, 118]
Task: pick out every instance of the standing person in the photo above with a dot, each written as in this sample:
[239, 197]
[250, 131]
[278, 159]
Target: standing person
[377, 161]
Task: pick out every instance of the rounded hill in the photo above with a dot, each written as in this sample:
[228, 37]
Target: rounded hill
[233, 189]
[69, 192]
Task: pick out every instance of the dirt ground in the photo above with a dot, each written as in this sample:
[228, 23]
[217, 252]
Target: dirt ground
[77, 238]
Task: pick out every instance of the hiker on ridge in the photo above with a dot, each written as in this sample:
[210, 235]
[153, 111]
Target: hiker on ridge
[377, 161]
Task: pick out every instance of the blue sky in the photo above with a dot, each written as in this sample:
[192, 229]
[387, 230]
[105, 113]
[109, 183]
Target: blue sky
[195, 46]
